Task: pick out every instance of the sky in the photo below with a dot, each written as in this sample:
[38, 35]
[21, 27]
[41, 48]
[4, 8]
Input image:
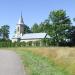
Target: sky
[33, 11]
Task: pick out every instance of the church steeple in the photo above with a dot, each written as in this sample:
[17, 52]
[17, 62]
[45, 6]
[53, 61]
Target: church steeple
[20, 26]
[21, 22]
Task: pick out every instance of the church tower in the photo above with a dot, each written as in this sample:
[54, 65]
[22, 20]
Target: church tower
[20, 26]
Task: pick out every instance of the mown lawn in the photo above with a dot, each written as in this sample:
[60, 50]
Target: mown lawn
[42, 61]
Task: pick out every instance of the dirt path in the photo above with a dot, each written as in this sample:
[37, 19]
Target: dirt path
[10, 63]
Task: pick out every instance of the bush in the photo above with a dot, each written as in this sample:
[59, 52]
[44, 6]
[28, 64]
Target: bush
[29, 43]
[23, 44]
[5, 44]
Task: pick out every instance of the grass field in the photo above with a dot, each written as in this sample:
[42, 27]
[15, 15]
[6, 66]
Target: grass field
[48, 61]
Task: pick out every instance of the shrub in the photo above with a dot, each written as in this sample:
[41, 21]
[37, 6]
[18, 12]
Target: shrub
[29, 43]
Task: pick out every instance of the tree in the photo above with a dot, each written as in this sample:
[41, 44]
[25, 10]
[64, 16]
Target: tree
[57, 25]
[5, 31]
[42, 27]
[46, 27]
[26, 29]
[59, 17]
[35, 28]
[72, 37]
[60, 24]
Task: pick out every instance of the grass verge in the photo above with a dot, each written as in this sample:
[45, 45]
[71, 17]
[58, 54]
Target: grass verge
[36, 64]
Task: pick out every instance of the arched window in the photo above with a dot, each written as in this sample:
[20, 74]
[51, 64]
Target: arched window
[18, 29]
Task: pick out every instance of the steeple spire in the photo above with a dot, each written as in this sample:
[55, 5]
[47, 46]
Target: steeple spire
[21, 20]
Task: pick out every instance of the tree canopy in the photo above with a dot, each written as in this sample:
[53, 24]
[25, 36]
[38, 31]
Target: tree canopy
[56, 25]
[59, 17]
[5, 30]
[26, 29]
[35, 28]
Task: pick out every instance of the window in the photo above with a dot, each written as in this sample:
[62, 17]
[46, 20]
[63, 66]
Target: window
[18, 29]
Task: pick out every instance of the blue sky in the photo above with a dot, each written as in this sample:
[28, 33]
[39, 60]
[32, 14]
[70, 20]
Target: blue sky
[34, 11]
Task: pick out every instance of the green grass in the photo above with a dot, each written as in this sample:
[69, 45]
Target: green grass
[47, 60]
[36, 64]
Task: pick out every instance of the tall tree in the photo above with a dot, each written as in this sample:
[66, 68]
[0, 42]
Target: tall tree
[5, 31]
[59, 17]
[35, 28]
[61, 23]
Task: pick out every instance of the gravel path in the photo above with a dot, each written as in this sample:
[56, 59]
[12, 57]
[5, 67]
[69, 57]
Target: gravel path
[10, 63]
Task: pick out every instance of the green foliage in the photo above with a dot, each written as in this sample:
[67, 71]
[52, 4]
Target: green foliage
[5, 31]
[5, 43]
[36, 43]
[35, 29]
[26, 29]
[29, 43]
[71, 36]
[39, 65]
[61, 23]
[59, 17]
[23, 44]
[8, 43]
[45, 42]
[56, 26]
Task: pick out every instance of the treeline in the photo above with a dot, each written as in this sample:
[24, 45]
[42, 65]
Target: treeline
[58, 25]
